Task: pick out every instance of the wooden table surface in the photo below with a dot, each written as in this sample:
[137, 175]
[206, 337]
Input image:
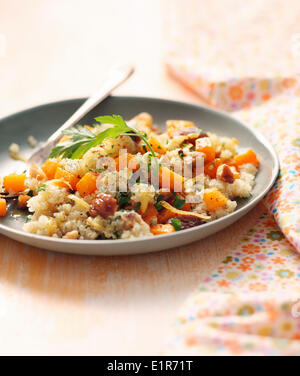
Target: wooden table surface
[57, 304]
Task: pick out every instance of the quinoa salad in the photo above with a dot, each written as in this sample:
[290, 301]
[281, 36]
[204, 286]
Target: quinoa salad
[128, 180]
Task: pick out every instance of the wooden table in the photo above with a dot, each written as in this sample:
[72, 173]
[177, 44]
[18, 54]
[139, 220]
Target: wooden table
[57, 304]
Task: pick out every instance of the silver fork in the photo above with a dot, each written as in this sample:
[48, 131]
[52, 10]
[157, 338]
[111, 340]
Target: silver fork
[116, 77]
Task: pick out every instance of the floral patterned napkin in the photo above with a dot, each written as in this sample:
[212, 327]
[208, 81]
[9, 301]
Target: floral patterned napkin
[250, 305]
[237, 59]
[279, 121]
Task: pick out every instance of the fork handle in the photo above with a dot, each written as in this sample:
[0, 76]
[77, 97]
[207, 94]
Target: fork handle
[116, 77]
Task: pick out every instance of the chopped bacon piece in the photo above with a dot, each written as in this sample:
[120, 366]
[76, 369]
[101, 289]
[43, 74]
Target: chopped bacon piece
[226, 174]
[104, 205]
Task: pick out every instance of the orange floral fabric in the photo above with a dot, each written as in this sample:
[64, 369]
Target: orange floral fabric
[234, 62]
[250, 305]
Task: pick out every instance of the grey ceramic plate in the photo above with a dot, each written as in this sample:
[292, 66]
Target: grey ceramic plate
[42, 121]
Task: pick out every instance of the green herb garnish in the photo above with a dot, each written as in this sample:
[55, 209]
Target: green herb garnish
[42, 188]
[179, 202]
[176, 224]
[124, 198]
[99, 171]
[82, 139]
[158, 205]
[78, 132]
[137, 208]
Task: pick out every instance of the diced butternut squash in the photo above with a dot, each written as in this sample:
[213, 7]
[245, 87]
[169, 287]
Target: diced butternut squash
[170, 180]
[127, 160]
[211, 168]
[247, 158]
[162, 229]
[150, 216]
[87, 185]
[165, 215]
[214, 200]
[15, 183]
[67, 176]
[236, 176]
[173, 126]
[3, 208]
[205, 146]
[157, 146]
[50, 168]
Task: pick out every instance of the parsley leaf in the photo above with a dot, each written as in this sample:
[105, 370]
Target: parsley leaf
[28, 218]
[179, 202]
[78, 133]
[66, 150]
[99, 171]
[137, 208]
[124, 198]
[158, 205]
[176, 224]
[82, 139]
[42, 188]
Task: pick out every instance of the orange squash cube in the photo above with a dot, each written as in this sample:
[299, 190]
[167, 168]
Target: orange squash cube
[3, 208]
[205, 146]
[150, 216]
[170, 180]
[214, 200]
[127, 160]
[211, 168]
[67, 176]
[162, 229]
[15, 183]
[247, 158]
[49, 168]
[157, 146]
[87, 185]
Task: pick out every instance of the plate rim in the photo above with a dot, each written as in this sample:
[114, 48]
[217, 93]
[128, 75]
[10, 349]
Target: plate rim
[238, 212]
